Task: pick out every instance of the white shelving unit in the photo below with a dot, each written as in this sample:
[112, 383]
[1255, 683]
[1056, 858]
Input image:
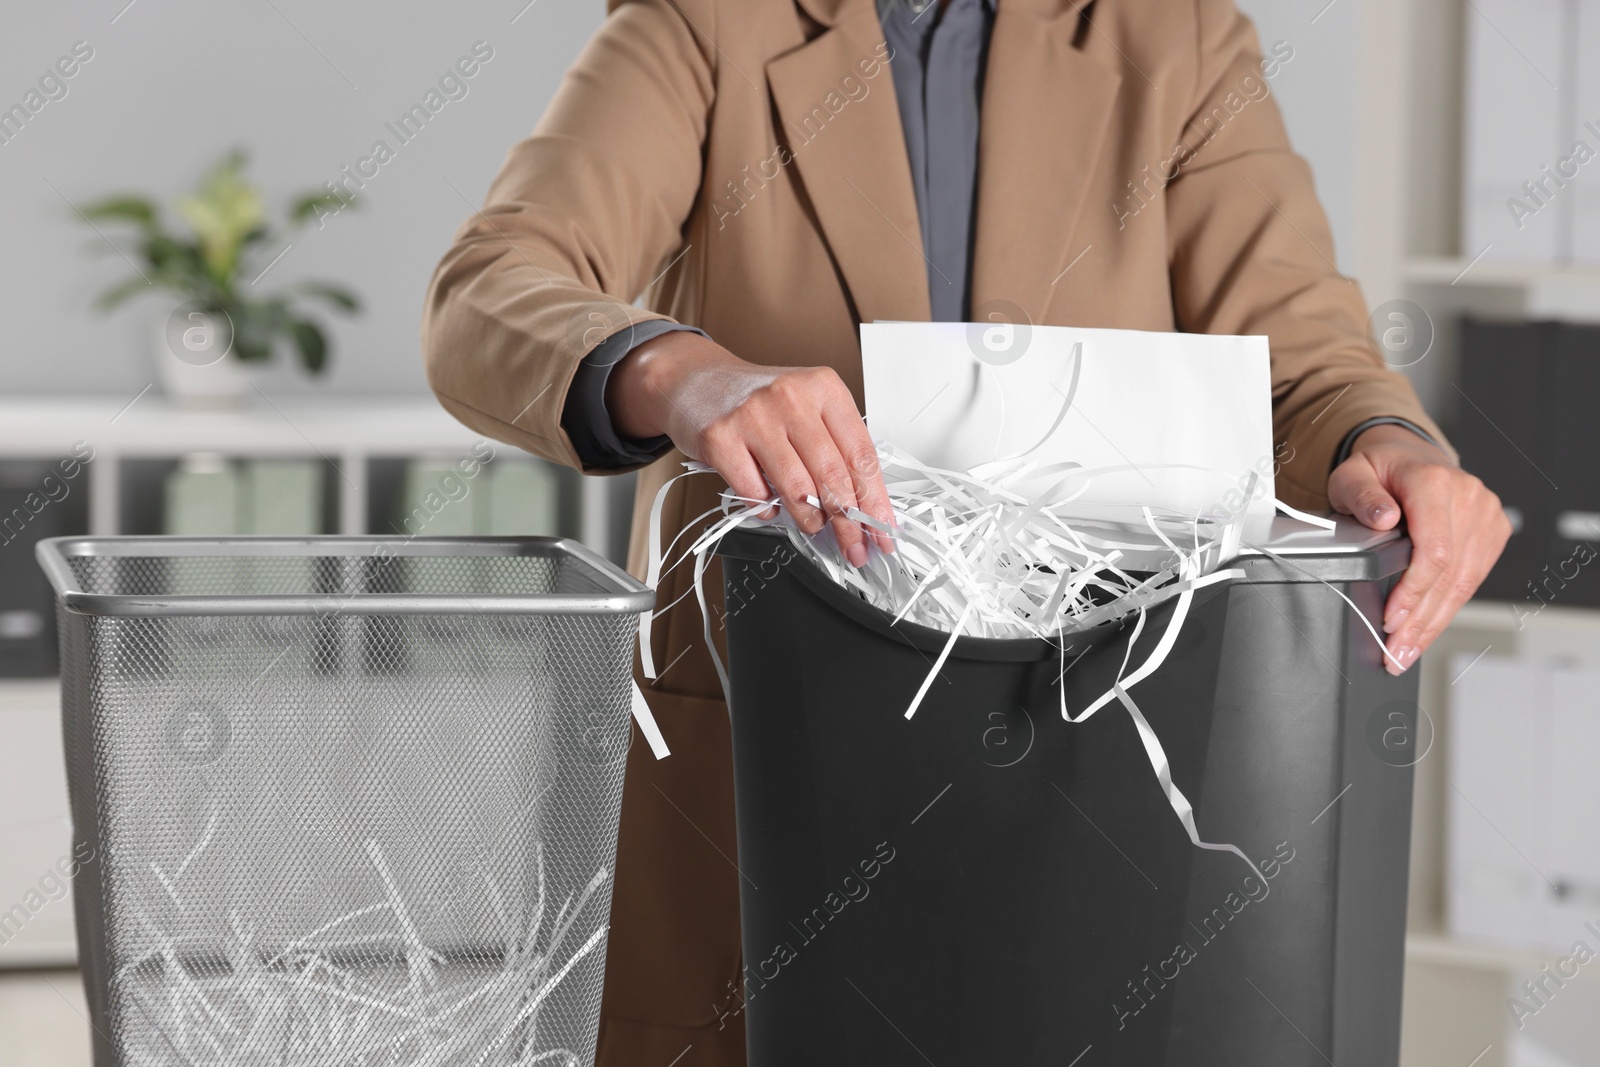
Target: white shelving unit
[1438, 949]
[35, 834]
[128, 435]
[346, 433]
[1539, 292]
[1457, 991]
[1409, 247]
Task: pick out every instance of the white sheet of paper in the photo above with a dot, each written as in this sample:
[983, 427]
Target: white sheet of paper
[957, 395]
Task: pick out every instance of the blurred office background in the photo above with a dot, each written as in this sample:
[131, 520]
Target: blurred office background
[1427, 122]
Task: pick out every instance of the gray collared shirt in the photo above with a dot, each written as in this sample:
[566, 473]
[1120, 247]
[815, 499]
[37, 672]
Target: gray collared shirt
[937, 58]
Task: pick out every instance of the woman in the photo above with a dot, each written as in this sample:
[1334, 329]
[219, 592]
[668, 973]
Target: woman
[772, 173]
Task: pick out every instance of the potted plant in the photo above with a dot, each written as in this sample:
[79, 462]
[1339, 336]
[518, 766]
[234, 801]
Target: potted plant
[222, 326]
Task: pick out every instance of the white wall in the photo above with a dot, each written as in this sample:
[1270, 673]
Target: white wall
[1318, 92]
[308, 87]
[174, 82]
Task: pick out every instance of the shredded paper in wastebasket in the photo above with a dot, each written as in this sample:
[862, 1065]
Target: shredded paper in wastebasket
[324, 998]
[1025, 543]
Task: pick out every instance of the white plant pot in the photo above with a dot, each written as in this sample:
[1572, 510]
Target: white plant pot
[194, 362]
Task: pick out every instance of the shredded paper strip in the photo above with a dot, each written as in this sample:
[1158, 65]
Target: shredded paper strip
[370, 997]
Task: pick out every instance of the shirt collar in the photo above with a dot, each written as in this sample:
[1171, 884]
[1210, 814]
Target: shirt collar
[916, 8]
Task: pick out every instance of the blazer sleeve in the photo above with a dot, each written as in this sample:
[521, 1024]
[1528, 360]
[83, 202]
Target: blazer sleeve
[583, 213]
[1251, 253]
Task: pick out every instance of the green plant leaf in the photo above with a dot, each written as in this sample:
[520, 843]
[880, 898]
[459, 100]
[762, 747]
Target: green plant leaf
[122, 208]
[313, 346]
[312, 205]
[120, 293]
[223, 212]
[251, 343]
[337, 295]
[256, 325]
[164, 253]
[179, 266]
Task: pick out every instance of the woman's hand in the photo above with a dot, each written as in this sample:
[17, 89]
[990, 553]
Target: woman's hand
[797, 425]
[1457, 529]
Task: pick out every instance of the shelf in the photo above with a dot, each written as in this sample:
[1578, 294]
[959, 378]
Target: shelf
[1546, 291]
[1447, 270]
[152, 426]
[28, 694]
[132, 435]
[1498, 615]
[1437, 948]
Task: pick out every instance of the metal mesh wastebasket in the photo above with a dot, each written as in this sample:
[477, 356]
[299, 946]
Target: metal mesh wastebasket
[343, 801]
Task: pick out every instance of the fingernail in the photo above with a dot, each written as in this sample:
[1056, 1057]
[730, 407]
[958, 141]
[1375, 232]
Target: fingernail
[1379, 513]
[857, 555]
[1393, 624]
[1405, 654]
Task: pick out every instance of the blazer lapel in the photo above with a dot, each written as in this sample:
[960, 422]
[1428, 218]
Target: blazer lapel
[1046, 110]
[850, 155]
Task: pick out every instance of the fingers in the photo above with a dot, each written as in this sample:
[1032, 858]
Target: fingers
[749, 446]
[1441, 603]
[732, 459]
[835, 488]
[1356, 490]
[861, 456]
[1458, 529]
[1425, 494]
[818, 417]
[790, 477]
[798, 429]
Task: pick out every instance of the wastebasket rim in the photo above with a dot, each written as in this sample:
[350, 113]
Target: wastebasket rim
[620, 592]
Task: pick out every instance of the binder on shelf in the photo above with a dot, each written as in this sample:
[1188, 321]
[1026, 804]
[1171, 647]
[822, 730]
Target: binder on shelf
[202, 497]
[437, 501]
[206, 495]
[282, 496]
[1523, 846]
[1569, 574]
[1527, 428]
[524, 498]
[37, 500]
[1502, 432]
[1518, 103]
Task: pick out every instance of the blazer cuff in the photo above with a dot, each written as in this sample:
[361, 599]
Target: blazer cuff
[584, 415]
[1349, 441]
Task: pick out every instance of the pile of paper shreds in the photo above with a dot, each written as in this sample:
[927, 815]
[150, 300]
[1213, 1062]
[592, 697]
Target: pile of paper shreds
[976, 553]
[378, 998]
[1008, 550]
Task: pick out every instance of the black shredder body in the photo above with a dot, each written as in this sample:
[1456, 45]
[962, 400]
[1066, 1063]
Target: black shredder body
[986, 883]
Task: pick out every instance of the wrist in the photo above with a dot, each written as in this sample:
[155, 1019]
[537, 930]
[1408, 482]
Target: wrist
[1389, 434]
[640, 384]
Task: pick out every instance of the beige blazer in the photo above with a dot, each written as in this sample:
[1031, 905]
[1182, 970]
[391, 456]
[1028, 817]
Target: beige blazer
[741, 164]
